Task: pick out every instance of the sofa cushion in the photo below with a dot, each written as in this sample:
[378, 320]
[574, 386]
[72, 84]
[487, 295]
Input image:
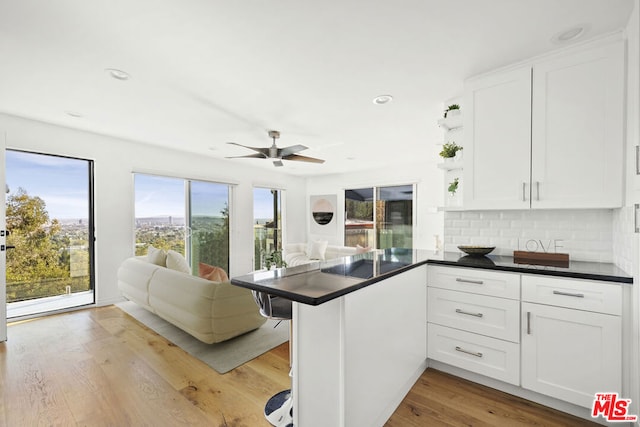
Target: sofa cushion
[156, 256]
[175, 261]
[317, 249]
[210, 272]
[134, 277]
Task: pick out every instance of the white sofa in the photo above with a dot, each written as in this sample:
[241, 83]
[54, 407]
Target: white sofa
[210, 311]
[301, 253]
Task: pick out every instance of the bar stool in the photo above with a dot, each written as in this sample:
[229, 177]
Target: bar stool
[279, 408]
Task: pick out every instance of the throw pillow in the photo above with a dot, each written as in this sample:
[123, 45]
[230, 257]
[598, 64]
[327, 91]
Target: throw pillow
[362, 249]
[175, 261]
[209, 272]
[317, 249]
[156, 256]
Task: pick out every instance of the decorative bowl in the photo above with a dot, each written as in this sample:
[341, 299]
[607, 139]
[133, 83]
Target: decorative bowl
[476, 250]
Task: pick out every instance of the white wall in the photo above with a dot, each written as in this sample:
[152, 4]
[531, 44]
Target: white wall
[429, 194]
[114, 161]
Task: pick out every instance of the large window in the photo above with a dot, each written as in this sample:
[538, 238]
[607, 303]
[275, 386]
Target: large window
[187, 216]
[49, 216]
[267, 226]
[379, 217]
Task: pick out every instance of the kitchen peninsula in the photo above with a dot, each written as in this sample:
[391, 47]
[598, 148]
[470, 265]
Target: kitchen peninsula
[360, 325]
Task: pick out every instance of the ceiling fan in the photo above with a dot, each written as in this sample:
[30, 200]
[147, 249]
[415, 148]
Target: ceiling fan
[277, 154]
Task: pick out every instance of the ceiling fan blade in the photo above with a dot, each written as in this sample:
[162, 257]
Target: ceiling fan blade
[264, 151]
[249, 156]
[299, 158]
[278, 163]
[287, 151]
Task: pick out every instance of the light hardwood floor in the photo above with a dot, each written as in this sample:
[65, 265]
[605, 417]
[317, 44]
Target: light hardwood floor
[100, 367]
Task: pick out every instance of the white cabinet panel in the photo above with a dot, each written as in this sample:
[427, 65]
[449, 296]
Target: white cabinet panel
[497, 124]
[570, 354]
[586, 295]
[577, 129]
[491, 316]
[487, 356]
[476, 281]
[549, 134]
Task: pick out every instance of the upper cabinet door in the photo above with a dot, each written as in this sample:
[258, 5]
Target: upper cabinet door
[577, 129]
[498, 124]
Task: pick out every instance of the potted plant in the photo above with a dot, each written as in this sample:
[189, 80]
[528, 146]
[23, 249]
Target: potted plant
[453, 187]
[449, 150]
[453, 109]
[274, 258]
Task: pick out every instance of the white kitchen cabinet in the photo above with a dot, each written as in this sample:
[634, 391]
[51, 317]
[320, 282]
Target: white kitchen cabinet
[570, 354]
[498, 133]
[548, 134]
[577, 129]
[474, 320]
[571, 338]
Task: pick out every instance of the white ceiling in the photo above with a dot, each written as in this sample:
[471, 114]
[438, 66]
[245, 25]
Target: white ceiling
[204, 72]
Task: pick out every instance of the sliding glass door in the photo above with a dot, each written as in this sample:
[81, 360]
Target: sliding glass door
[209, 223]
[188, 216]
[49, 222]
[379, 217]
[267, 224]
[394, 216]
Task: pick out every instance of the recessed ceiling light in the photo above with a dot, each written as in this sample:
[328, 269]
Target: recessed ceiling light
[118, 74]
[74, 114]
[570, 34]
[382, 99]
[351, 158]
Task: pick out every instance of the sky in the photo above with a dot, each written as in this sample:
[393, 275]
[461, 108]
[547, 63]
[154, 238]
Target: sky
[63, 184]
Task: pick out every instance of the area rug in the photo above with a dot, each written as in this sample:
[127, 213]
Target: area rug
[223, 356]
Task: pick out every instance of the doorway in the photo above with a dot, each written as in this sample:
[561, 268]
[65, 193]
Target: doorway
[50, 233]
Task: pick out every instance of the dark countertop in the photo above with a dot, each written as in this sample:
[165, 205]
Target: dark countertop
[576, 269]
[320, 282]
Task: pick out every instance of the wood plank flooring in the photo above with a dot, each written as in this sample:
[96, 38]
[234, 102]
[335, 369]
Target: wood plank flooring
[100, 367]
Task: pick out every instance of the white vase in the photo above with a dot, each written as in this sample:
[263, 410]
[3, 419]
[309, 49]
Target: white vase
[458, 156]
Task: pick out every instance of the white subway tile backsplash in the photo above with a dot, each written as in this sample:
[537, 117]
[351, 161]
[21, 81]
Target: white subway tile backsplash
[587, 235]
[624, 239]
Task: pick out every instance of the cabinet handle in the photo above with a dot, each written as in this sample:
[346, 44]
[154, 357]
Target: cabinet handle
[473, 353]
[538, 190]
[528, 323]
[524, 188]
[468, 313]
[568, 294]
[637, 159]
[636, 228]
[475, 282]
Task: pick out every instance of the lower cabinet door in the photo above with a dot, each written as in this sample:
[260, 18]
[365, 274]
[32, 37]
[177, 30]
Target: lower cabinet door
[477, 353]
[570, 354]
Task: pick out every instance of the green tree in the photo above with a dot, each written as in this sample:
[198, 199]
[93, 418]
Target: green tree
[36, 256]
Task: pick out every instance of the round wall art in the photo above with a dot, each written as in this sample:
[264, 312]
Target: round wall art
[323, 211]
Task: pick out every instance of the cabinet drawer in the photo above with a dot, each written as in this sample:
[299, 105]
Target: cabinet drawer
[477, 281]
[486, 315]
[486, 356]
[600, 297]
